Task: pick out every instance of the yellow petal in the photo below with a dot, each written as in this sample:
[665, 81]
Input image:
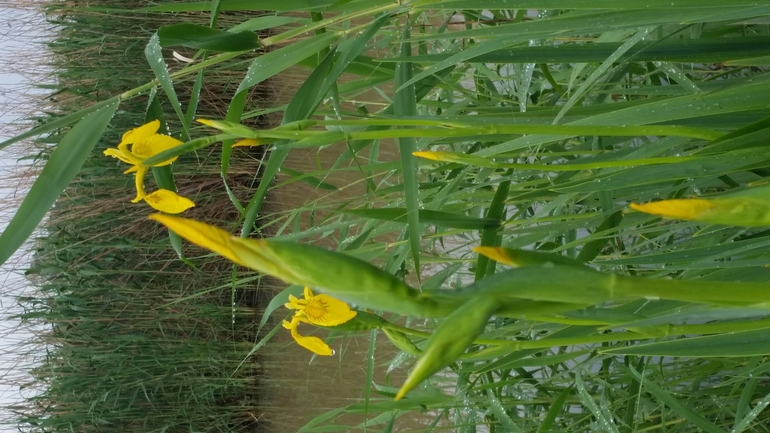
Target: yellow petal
[497, 254]
[247, 142]
[293, 303]
[326, 311]
[337, 312]
[683, 209]
[168, 201]
[307, 292]
[123, 156]
[140, 133]
[139, 183]
[154, 145]
[203, 235]
[314, 344]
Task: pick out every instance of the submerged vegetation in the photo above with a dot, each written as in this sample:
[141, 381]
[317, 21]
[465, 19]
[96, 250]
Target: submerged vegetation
[545, 216]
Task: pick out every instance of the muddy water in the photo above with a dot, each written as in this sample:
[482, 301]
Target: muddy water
[299, 386]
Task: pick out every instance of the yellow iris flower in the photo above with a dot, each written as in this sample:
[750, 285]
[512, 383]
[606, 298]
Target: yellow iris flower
[146, 142]
[320, 310]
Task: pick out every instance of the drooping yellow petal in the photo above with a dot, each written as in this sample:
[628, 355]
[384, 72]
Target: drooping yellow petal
[153, 145]
[168, 201]
[139, 183]
[203, 235]
[140, 133]
[683, 209]
[313, 344]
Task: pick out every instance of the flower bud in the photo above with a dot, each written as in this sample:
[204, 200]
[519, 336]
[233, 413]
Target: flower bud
[337, 274]
[451, 339]
[749, 208]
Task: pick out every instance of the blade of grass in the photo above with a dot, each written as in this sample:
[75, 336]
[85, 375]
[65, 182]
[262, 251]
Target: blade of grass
[405, 105]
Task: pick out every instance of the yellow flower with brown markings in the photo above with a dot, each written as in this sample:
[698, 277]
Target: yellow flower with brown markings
[146, 142]
[322, 310]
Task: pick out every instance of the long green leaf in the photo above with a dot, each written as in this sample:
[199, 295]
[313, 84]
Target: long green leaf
[205, 38]
[707, 50]
[62, 166]
[746, 343]
[61, 122]
[405, 105]
[154, 55]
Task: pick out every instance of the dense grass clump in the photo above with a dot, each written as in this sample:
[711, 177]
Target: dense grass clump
[135, 339]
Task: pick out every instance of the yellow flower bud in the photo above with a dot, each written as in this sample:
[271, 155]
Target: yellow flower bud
[749, 208]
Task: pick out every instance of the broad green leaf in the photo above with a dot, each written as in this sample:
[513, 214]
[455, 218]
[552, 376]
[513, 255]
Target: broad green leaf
[61, 122]
[154, 55]
[62, 166]
[276, 61]
[205, 38]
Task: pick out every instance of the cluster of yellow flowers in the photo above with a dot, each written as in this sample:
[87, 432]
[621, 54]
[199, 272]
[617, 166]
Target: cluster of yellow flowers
[324, 310]
[146, 142]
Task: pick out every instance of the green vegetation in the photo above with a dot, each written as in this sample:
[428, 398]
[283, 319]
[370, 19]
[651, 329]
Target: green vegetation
[135, 339]
[534, 131]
